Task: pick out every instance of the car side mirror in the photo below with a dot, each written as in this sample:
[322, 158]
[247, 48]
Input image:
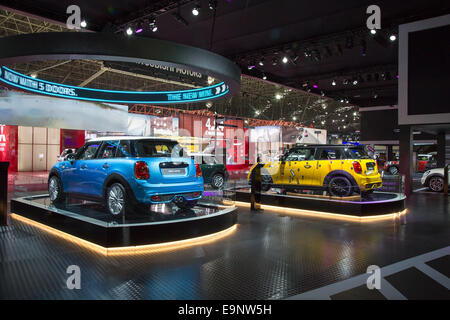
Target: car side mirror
[70, 157]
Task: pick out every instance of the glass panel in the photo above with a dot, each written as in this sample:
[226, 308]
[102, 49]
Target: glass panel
[124, 149]
[157, 148]
[89, 151]
[300, 154]
[108, 149]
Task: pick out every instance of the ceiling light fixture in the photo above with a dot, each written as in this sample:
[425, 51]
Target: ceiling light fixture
[285, 60]
[393, 37]
[196, 10]
[129, 31]
[83, 24]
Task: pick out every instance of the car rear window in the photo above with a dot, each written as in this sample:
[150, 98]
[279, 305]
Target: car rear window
[356, 153]
[152, 148]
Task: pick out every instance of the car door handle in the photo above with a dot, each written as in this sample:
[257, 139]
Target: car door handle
[307, 166]
[83, 166]
[105, 166]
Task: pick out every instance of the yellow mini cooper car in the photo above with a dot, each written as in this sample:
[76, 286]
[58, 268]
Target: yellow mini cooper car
[338, 169]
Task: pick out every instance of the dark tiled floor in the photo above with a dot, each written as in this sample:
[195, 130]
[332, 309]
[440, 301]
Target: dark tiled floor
[416, 285]
[270, 256]
[442, 265]
[359, 293]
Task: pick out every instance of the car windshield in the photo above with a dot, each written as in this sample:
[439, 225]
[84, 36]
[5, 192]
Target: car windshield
[357, 153]
[152, 148]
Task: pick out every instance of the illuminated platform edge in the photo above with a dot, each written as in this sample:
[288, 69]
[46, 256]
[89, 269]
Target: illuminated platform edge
[123, 236]
[358, 209]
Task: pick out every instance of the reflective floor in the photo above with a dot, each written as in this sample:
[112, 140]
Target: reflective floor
[269, 256]
[371, 197]
[159, 212]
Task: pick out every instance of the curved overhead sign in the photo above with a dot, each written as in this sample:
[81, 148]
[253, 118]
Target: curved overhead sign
[21, 81]
[110, 47]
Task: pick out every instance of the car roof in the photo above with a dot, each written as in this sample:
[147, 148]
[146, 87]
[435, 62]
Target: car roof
[129, 138]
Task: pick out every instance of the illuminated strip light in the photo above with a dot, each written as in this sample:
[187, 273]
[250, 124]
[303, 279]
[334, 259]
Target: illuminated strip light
[141, 249]
[13, 84]
[329, 215]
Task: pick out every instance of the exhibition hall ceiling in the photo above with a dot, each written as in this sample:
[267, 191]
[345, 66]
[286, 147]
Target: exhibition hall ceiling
[258, 99]
[327, 44]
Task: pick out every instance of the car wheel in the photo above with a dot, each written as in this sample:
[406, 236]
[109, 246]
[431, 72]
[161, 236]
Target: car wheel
[266, 182]
[116, 199]
[55, 189]
[393, 170]
[340, 186]
[218, 181]
[436, 184]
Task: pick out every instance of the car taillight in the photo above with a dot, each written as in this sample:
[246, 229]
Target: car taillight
[156, 198]
[141, 170]
[198, 170]
[357, 167]
[197, 194]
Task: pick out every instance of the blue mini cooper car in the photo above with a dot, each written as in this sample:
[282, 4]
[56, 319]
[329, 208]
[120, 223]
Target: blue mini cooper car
[128, 172]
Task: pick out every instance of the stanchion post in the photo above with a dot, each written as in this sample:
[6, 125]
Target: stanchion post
[4, 193]
[255, 190]
[446, 180]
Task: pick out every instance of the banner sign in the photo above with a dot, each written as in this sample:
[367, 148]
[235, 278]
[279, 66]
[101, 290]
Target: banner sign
[18, 80]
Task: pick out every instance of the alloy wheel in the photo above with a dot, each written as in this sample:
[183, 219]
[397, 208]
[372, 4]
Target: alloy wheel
[436, 184]
[340, 186]
[116, 200]
[393, 170]
[53, 188]
[218, 181]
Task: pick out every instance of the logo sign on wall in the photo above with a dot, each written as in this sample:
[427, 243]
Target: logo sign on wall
[18, 80]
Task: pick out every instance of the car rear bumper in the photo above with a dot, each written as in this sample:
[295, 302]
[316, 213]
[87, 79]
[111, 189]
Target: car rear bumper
[167, 192]
[369, 183]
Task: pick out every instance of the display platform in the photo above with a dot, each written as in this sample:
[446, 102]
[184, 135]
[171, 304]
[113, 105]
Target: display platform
[160, 224]
[376, 204]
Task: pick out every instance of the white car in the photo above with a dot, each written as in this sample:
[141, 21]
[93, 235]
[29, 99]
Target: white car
[434, 179]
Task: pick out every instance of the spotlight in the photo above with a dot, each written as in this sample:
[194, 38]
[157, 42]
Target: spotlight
[355, 81]
[33, 75]
[285, 60]
[264, 77]
[323, 122]
[261, 62]
[196, 10]
[333, 83]
[392, 37]
[153, 25]
[212, 4]
[355, 113]
[274, 61]
[278, 96]
[345, 82]
[373, 31]
[129, 31]
[322, 93]
[83, 24]
[294, 118]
